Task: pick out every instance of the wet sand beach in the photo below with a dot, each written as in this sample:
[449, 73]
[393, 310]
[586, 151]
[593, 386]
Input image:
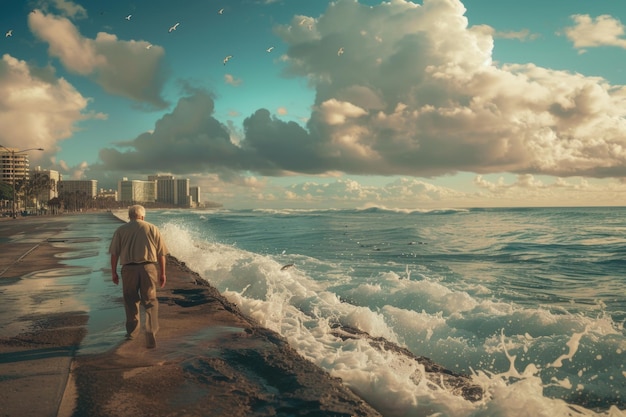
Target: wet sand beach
[63, 353]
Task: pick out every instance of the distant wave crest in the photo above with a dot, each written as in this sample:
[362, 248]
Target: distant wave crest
[368, 209]
[383, 209]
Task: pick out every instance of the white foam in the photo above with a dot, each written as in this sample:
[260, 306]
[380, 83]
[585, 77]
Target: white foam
[508, 349]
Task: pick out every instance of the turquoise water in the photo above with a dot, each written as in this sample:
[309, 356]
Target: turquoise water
[530, 302]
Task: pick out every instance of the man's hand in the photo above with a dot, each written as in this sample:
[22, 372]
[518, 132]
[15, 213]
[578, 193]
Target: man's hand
[114, 277]
[162, 280]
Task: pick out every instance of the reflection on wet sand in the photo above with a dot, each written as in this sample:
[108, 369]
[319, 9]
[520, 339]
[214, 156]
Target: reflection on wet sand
[87, 253]
[41, 292]
[78, 284]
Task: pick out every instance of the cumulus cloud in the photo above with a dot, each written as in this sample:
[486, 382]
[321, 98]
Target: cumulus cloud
[417, 95]
[232, 80]
[522, 35]
[437, 104]
[78, 172]
[248, 190]
[189, 139]
[64, 7]
[603, 30]
[37, 109]
[537, 192]
[123, 68]
[414, 194]
[408, 193]
[402, 192]
[334, 112]
[529, 182]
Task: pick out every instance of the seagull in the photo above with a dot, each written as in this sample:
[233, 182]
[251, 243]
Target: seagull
[129, 16]
[221, 11]
[270, 49]
[9, 33]
[148, 46]
[173, 28]
[227, 59]
[309, 26]
[340, 51]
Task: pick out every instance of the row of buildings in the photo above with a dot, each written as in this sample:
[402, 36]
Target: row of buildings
[163, 189]
[44, 185]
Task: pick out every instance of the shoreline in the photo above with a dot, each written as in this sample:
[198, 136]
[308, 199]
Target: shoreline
[209, 355]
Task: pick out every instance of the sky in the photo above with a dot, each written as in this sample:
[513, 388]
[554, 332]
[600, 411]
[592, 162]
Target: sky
[310, 104]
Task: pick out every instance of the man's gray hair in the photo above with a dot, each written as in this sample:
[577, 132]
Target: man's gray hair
[136, 211]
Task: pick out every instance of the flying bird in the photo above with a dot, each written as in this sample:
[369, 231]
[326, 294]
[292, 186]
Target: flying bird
[309, 26]
[129, 16]
[148, 46]
[221, 11]
[9, 33]
[270, 49]
[227, 59]
[173, 28]
[340, 51]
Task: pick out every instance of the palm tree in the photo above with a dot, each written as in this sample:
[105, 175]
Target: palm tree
[6, 194]
[35, 188]
[76, 200]
[54, 205]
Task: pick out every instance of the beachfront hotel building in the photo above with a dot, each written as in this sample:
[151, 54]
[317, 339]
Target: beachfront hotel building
[85, 188]
[183, 199]
[14, 170]
[170, 190]
[194, 193]
[136, 191]
[77, 195]
[14, 165]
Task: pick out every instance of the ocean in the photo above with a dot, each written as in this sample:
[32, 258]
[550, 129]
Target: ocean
[529, 302]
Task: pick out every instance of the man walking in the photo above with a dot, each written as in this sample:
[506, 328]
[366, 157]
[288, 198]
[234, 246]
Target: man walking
[140, 249]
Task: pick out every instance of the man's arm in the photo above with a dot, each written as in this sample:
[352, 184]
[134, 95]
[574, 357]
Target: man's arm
[162, 278]
[114, 277]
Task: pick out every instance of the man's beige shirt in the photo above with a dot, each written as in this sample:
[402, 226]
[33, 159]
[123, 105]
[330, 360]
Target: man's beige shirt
[137, 241]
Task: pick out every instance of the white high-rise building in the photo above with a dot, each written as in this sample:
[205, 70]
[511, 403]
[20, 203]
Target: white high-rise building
[136, 191]
[165, 188]
[49, 176]
[194, 192]
[88, 188]
[14, 165]
[78, 195]
[171, 190]
[182, 197]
